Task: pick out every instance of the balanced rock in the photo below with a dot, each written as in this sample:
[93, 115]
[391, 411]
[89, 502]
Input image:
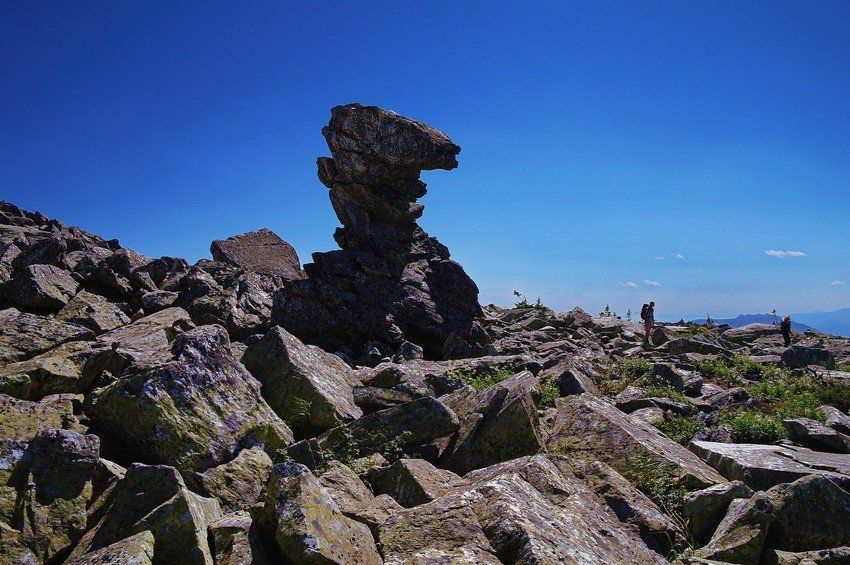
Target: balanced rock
[391, 282]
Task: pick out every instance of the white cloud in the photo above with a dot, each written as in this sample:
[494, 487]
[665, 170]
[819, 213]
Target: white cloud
[838, 283]
[780, 254]
[650, 282]
[629, 284]
[677, 256]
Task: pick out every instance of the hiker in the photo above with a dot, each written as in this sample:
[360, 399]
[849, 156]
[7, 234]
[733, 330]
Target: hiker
[647, 314]
[785, 328]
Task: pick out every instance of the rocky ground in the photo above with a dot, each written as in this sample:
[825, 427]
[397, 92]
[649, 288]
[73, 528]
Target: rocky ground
[366, 409]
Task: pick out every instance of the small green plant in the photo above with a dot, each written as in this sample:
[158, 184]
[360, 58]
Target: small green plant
[346, 450]
[789, 397]
[692, 330]
[749, 426]
[549, 394]
[752, 370]
[666, 391]
[679, 428]
[636, 368]
[718, 371]
[620, 375]
[483, 377]
[393, 450]
[656, 479]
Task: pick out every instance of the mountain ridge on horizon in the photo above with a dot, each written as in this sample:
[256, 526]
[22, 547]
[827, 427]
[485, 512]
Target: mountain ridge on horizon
[836, 322]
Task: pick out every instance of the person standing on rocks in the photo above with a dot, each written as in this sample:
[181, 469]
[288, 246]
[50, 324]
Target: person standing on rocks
[647, 314]
[785, 328]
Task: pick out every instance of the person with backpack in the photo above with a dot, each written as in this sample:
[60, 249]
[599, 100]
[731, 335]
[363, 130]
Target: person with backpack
[785, 328]
[647, 314]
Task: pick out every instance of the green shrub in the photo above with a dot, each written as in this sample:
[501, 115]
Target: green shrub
[666, 391]
[522, 302]
[635, 368]
[749, 426]
[549, 393]
[393, 450]
[656, 479]
[482, 378]
[789, 397]
[752, 370]
[679, 428]
[718, 371]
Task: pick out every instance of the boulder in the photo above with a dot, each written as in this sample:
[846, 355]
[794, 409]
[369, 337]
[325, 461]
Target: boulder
[816, 435]
[799, 356]
[63, 369]
[571, 376]
[155, 498]
[94, 312]
[260, 251]
[306, 386]
[238, 484]
[589, 426]
[40, 288]
[750, 333]
[390, 282]
[831, 556]
[414, 481]
[346, 489]
[665, 374]
[195, 411]
[496, 424]
[137, 549]
[23, 419]
[704, 509]
[741, 535]
[307, 524]
[763, 466]
[836, 419]
[157, 300]
[237, 540]
[25, 335]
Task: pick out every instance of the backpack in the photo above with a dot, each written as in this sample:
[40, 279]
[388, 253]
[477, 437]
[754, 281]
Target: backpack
[643, 310]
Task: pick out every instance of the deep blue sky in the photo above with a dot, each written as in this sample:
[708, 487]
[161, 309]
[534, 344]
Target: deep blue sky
[600, 139]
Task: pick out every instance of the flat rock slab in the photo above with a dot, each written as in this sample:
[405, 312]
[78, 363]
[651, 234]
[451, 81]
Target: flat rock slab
[259, 251]
[764, 466]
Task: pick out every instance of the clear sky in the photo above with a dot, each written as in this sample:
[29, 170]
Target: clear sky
[613, 152]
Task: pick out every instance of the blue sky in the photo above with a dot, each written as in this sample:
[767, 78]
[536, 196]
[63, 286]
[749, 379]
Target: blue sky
[665, 145]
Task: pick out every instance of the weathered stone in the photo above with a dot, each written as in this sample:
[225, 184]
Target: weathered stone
[590, 426]
[371, 399]
[810, 513]
[497, 424]
[631, 506]
[750, 333]
[238, 484]
[306, 386]
[145, 342]
[741, 535]
[59, 370]
[23, 419]
[40, 288]
[535, 510]
[12, 550]
[25, 335]
[704, 509]
[137, 549]
[377, 512]
[836, 419]
[194, 412]
[345, 487]
[815, 435]
[237, 541]
[157, 300]
[571, 376]
[831, 556]
[799, 356]
[308, 525]
[155, 498]
[444, 531]
[665, 374]
[763, 466]
[414, 481]
[261, 251]
[94, 312]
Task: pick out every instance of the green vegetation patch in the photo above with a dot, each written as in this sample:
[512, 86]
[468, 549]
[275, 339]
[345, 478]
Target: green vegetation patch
[656, 479]
[484, 377]
[679, 428]
[549, 393]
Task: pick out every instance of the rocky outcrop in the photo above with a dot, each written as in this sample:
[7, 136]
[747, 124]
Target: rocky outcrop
[390, 282]
[261, 251]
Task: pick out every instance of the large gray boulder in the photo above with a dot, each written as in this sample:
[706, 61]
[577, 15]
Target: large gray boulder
[94, 312]
[799, 356]
[237, 540]
[763, 466]
[306, 386]
[750, 333]
[415, 481]
[26, 335]
[816, 435]
[155, 499]
[591, 426]
[40, 288]
[195, 411]
[307, 524]
[260, 251]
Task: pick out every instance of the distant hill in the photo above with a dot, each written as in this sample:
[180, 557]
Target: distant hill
[836, 323]
[745, 319]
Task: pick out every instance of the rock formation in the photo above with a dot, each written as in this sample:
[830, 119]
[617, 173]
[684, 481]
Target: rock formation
[390, 282]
